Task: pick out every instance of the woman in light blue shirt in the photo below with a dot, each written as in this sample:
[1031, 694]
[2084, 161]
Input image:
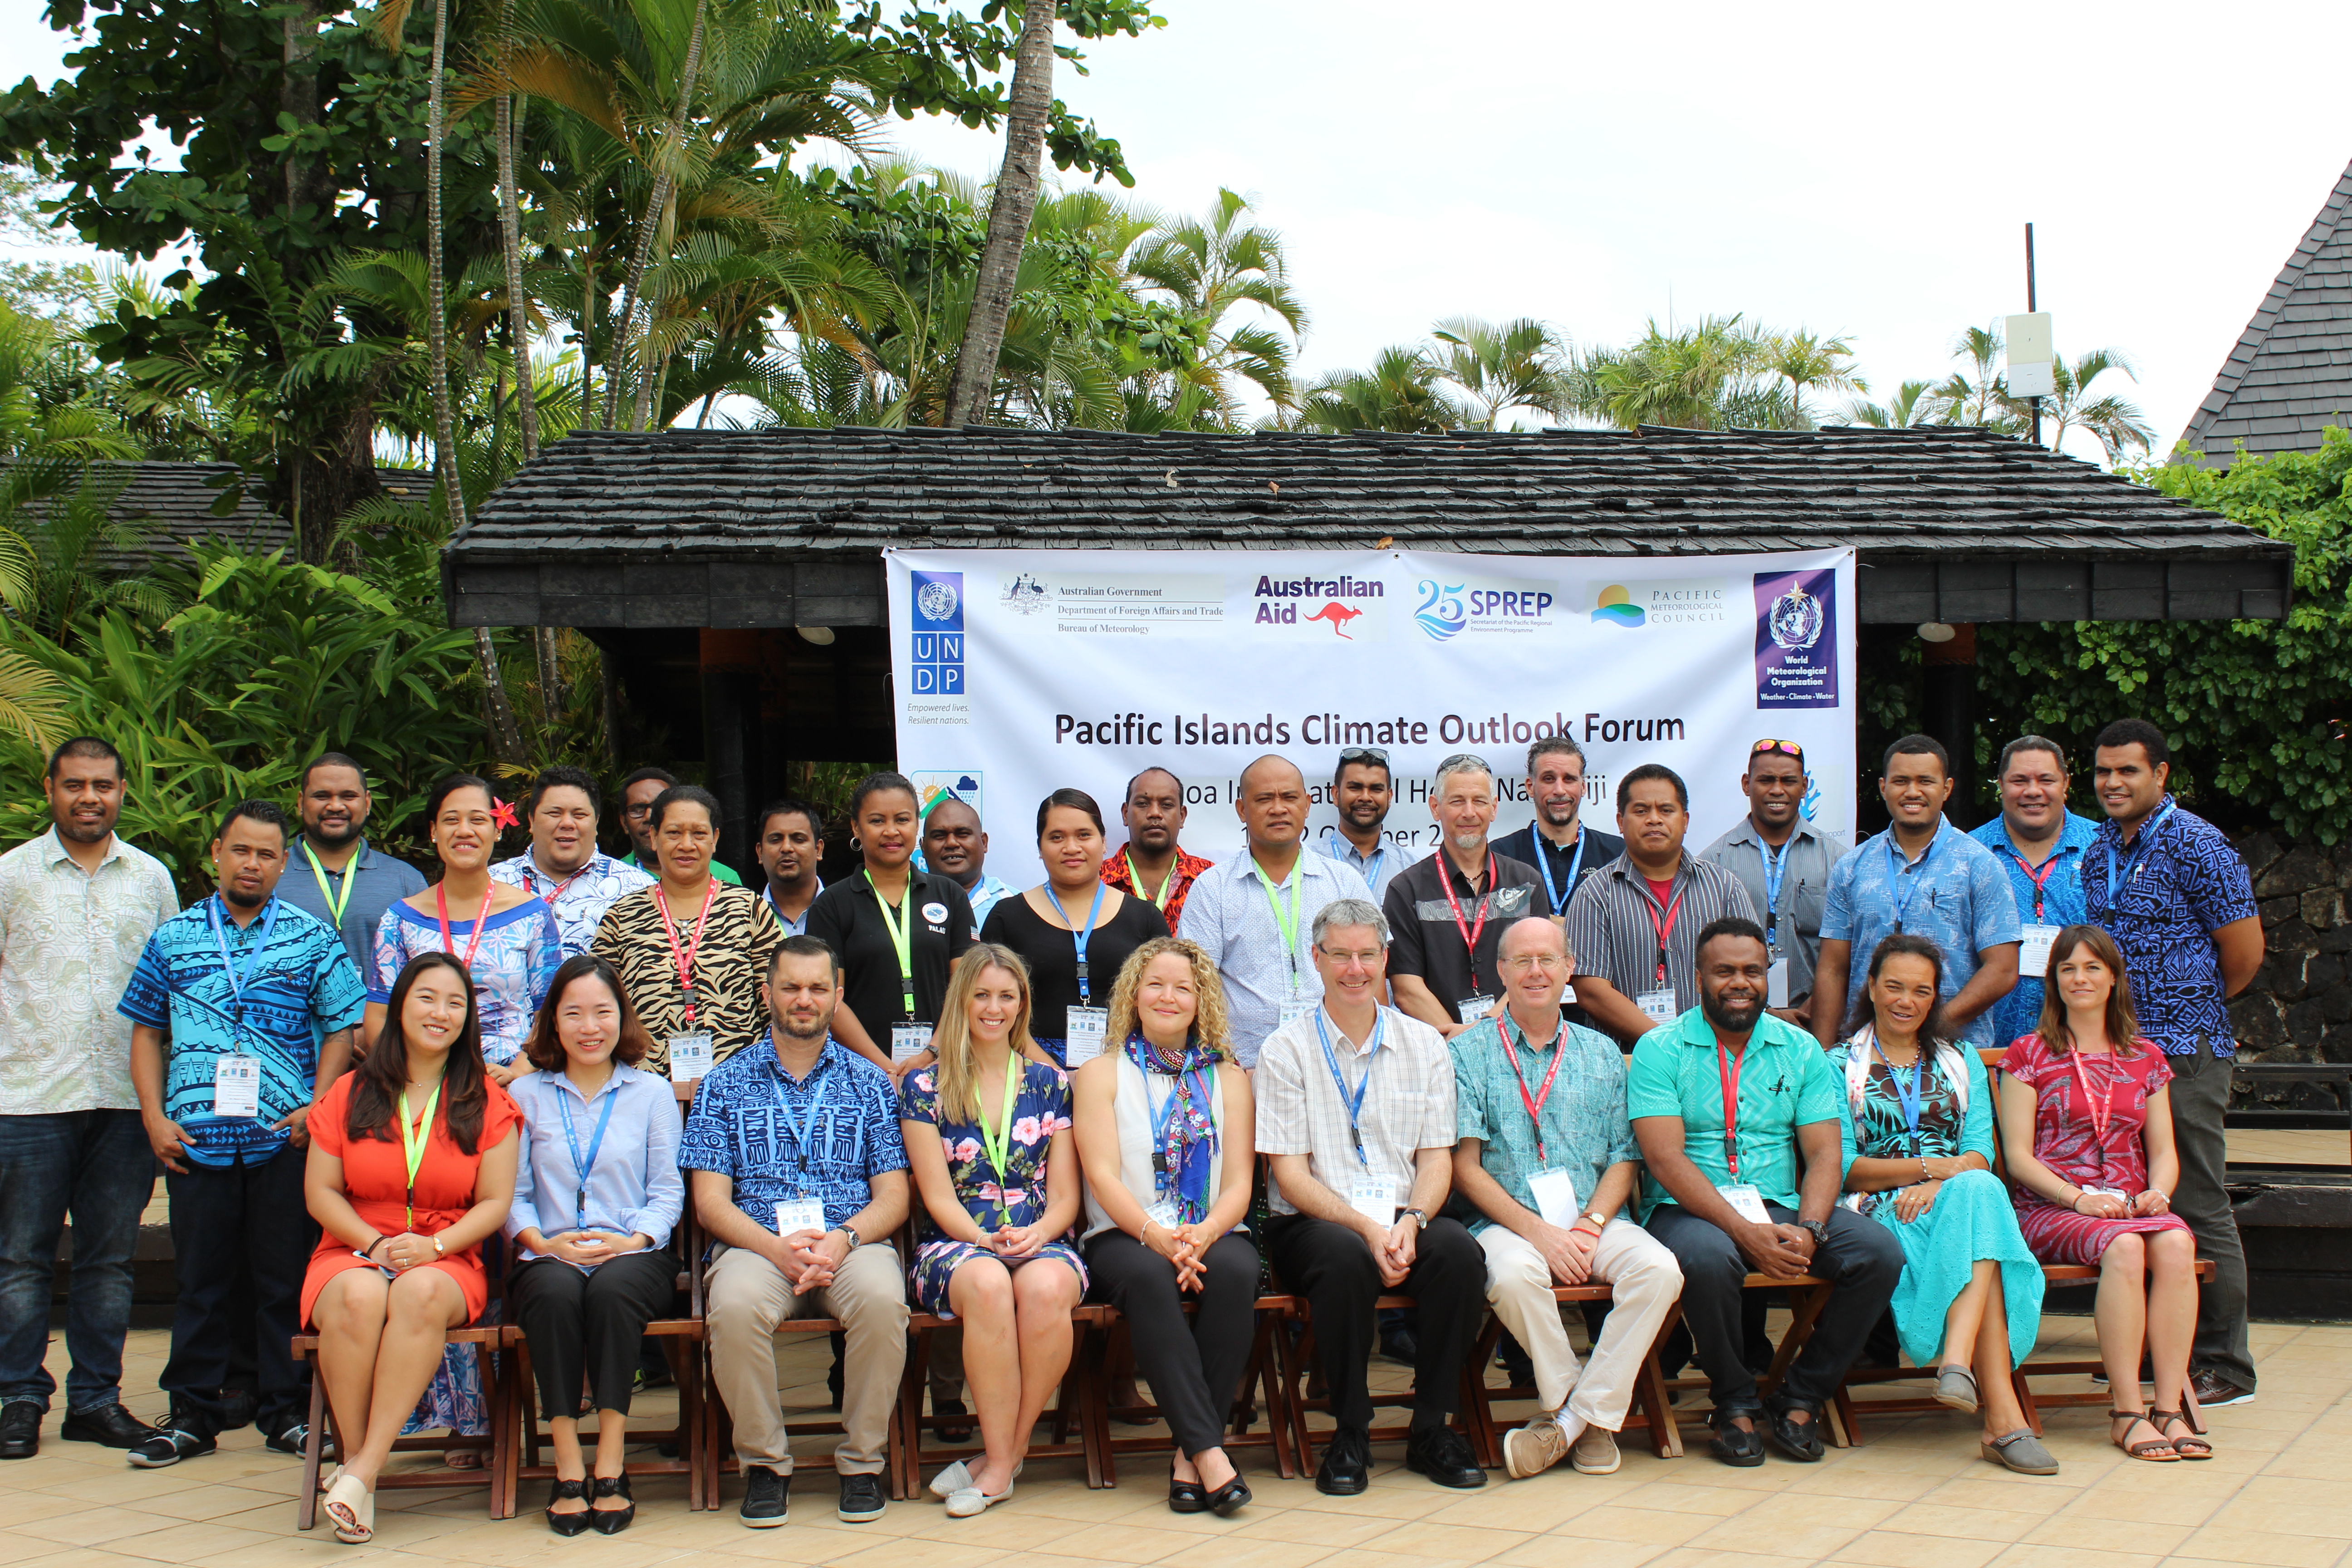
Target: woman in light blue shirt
[595, 1200]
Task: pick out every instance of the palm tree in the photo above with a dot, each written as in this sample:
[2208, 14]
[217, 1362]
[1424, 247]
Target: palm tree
[1400, 392]
[1211, 266]
[1803, 360]
[1910, 405]
[1519, 364]
[1979, 395]
[2116, 421]
[1705, 377]
[1009, 211]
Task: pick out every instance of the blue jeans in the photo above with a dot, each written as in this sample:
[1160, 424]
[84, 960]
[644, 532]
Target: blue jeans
[95, 1166]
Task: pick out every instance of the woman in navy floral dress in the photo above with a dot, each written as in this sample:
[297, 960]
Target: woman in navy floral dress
[988, 1135]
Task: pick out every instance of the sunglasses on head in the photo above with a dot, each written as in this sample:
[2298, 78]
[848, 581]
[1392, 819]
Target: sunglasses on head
[1785, 748]
[1364, 754]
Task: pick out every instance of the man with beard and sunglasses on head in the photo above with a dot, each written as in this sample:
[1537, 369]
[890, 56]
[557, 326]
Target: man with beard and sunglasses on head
[337, 876]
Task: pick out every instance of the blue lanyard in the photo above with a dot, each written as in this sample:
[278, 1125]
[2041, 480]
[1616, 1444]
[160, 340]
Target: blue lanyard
[804, 1130]
[1543, 868]
[1910, 884]
[2132, 858]
[580, 1166]
[237, 977]
[1341, 849]
[1776, 872]
[1086, 990]
[1355, 1102]
[1909, 1102]
[1165, 1114]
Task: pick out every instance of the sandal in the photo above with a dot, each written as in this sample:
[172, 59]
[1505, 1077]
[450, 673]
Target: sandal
[2191, 1445]
[350, 1507]
[2158, 1452]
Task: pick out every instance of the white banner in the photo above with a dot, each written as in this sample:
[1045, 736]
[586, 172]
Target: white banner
[1018, 672]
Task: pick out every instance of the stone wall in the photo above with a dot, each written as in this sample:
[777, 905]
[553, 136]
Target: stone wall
[2299, 1008]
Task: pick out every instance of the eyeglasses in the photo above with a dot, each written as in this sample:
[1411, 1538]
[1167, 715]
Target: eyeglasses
[645, 809]
[1786, 748]
[1364, 754]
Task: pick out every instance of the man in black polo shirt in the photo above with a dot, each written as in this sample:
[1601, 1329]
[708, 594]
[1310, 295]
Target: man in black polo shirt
[1446, 914]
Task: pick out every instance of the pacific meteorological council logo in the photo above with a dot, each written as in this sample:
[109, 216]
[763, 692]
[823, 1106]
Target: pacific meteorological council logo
[1617, 608]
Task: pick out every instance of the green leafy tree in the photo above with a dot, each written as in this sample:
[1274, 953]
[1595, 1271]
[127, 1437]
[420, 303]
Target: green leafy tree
[1398, 392]
[1710, 376]
[1909, 405]
[2122, 430]
[1805, 361]
[1519, 364]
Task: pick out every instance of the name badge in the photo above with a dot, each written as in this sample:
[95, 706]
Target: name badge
[1658, 1006]
[689, 1057]
[2033, 950]
[1164, 1214]
[1083, 1034]
[798, 1214]
[2109, 1192]
[1747, 1203]
[908, 1041]
[1776, 984]
[1374, 1197]
[1555, 1193]
[236, 1085]
[1470, 1009]
[1294, 1011]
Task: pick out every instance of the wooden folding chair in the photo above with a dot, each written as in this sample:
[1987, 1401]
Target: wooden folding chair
[1263, 1376]
[1293, 1359]
[1652, 1409]
[1807, 1297]
[1074, 1419]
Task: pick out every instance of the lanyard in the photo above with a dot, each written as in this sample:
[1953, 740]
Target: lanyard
[581, 1165]
[2101, 1111]
[1917, 878]
[1664, 925]
[1341, 848]
[412, 1144]
[901, 927]
[565, 886]
[684, 957]
[803, 1132]
[1730, 1073]
[1289, 928]
[1776, 873]
[2041, 878]
[1469, 932]
[1535, 1102]
[473, 943]
[1910, 1101]
[236, 978]
[1157, 900]
[1353, 1101]
[2132, 857]
[335, 907]
[1543, 867]
[1080, 938]
[1203, 1083]
[998, 1140]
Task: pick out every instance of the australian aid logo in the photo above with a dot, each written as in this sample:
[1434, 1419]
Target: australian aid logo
[1338, 606]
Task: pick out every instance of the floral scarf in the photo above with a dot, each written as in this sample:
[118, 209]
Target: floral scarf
[1184, 1142]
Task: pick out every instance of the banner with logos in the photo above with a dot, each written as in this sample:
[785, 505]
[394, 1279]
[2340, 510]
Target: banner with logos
[1018, 672]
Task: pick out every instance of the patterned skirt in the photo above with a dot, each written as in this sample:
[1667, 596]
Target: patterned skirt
[936, 1261]
[2062, 1236]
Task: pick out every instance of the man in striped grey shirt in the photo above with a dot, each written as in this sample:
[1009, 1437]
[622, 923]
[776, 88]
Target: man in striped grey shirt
[1634, 924]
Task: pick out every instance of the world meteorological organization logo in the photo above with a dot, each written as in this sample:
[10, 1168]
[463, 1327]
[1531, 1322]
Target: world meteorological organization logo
[935, 657]
[1796, 639]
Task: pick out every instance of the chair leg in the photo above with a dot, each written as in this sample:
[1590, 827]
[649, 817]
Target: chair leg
[1657, 1399]
[1261, 1385]
[2018, 1380]
[1290, 1357]
[314, 1439]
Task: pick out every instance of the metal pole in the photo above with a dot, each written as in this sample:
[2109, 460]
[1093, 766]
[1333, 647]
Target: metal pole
[2032, 306]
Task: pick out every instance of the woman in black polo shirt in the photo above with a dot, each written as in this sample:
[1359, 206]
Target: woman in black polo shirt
[895, 929]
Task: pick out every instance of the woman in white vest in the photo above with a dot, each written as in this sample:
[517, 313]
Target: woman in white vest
[1165, 1139]
[1918, 1159]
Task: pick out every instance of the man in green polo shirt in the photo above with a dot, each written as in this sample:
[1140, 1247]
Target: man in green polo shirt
[1724, 1099]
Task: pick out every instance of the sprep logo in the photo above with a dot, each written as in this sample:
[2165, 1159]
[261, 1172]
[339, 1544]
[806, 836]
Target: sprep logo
[1441, 613]
[1617, 608]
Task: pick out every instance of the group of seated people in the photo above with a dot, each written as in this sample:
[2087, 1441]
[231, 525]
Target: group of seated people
[1524, 1153]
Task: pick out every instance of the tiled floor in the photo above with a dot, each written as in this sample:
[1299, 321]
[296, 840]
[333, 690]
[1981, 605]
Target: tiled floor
[1913, 1496]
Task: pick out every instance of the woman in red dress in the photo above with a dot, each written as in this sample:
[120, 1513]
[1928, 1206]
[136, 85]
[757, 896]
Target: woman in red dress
[412, 1164]
[2086, 1094]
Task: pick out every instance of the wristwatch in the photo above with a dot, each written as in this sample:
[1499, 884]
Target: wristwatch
[1599, 1221]
[1820, 1228]
[1420, 1220]
[844, 1231]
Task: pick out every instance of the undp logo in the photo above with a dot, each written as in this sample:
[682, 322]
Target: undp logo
[1617, 608]
[1442, 613]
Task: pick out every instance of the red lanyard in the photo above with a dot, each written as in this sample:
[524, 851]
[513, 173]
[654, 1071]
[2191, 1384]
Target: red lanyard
[562, 887]
[1731, 1103]
[1469, 932]
[1665, 927]
[473, 943]
[2102, 1111]
[2041, 877]
[1535, 1102]
[684, 957]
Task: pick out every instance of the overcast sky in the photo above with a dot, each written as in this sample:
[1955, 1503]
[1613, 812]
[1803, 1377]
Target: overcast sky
[1859, 169]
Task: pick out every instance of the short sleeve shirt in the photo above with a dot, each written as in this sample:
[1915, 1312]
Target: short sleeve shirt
[293, 992]
[1426, 942]
[2188, 882]
[1408, 1105]
[579, 901]
[847, 916]
[371, 883]
[1228, 913]
[740, 935]
[1585, 1129]
[1613, 920]
[1785, 1082]
[748, 1120]
[2057, 901]
[512, 965]
[1955, 895]
[1181, 874]
[1794, 925]
[1561, 871]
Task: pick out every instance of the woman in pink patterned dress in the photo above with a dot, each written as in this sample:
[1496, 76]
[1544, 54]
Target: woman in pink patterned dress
[2086, 1094]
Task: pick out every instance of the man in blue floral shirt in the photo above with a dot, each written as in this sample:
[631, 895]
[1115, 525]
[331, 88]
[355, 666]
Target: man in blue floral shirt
[800, 1177]
[564, 866]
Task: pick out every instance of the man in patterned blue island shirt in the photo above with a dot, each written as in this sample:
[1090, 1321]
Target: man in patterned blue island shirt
[2175, 895]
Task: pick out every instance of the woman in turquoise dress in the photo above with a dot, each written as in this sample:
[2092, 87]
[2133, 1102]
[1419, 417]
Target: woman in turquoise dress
[1918, 1159]
[988, 1136]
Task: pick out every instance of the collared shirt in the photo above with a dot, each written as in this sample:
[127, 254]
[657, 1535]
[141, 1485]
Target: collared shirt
[377, 881]
[1954, 895]
[1585, 1128]
[1613, 924]
[738, 938]
[1527, 845]
[1378, 869]
[1186, 871]
[1408, 1107]
[790, 925]
[1229, 914]
[634, 1186]
[1785, 1082]
[982, 896]
[937, 918]
[580, 899]
[68, 942]
[720, 870]
[1424, 939]
[300, 989]
[1805, 861]
[2061, 898]
[747, 1122]
[2188, 883]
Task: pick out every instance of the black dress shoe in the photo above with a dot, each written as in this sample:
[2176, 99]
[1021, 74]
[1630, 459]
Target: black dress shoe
[955, 1421]
[1229, 1498]
[1443, 1456]
[1744, 1449]
[613, 1520]
[1799, 1440]
[1346, 1469]
[20, 1429]
[109, 1424]
[566, 1523]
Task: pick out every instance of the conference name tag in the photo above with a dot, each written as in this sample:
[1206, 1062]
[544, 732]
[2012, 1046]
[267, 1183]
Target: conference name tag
[1776, 984]
[1294, 1011]
[2033, 950]
[689, 1057]
[908, 1041]
[1083, 1034]
[1470, 1009]
[236, 1085]
[1657, 1005]
[2108, 1192]
[1747, 1203]
[1374, 1197]
[1555, 1193]
[798, 1214]
[1162, 1214]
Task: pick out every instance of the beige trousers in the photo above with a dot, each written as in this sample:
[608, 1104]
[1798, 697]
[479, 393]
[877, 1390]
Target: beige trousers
[1645, 1281]
[745, 1297]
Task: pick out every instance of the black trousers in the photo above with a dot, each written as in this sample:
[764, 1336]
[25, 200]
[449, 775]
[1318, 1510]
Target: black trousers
[1194, 1369]
[241, 1239]
[1331, 1267]
[593, 1321]
[1863, 1258]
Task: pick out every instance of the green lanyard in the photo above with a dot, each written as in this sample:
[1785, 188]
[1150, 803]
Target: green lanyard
[901, 927]
[998, 1139]
[1289, 928]
[1160, 900]
[334, 908]
[412, 1144]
